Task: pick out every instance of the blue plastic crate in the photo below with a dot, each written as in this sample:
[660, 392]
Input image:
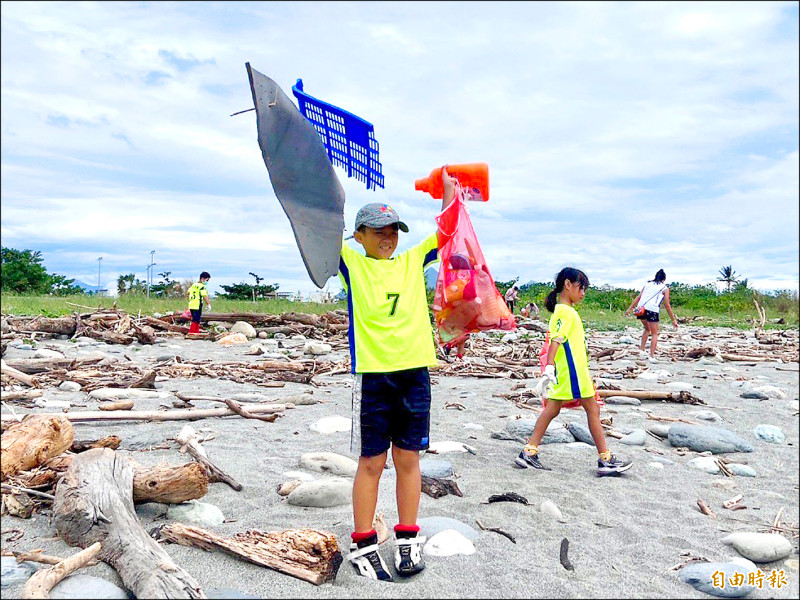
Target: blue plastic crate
[349, 140]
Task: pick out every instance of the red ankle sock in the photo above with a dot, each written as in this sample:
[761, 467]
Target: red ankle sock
[406, 531]
[360, 536]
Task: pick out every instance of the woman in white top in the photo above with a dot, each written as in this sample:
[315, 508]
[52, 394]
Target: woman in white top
[650, 298]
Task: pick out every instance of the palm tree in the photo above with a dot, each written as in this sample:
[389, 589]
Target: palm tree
[728, 276]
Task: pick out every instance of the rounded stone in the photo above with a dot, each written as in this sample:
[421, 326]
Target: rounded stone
[448, 543]
[701, 577]
[200, 513]
[636, 438]
[769, 434]
[759, 547]
[329, 462]
[87, 586]
[322, 493]
[439, 469]
[430, 526]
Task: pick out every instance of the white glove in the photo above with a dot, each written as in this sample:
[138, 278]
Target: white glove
[548, 377]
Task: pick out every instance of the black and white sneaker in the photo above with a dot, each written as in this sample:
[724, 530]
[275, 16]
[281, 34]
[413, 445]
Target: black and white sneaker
[613, 466]
[408, 555]
[523, 461]
[368, 562]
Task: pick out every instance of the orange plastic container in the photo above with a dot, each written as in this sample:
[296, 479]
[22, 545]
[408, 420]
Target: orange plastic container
[473, 177]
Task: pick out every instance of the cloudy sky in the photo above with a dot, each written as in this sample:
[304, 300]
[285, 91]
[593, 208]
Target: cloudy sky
[621, 137]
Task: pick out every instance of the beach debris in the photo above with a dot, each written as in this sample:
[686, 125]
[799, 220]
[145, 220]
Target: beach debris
[449, 446]
[436, 468]
[769, 434]
[43, 580]
[199, 513]
[679, 397]
[497, 530]
[94, 500]
[702, 438]
[309, 554]
[380, 527]
[28, 444]
[734, 503]
[331, 424]
[329, 462]
[689, 558]
[700, 575]
[562, 555]
[549, 508]
[119, 405]
[759, 547]
[507, 497]
[436, 488]
[287, 487]
[109, 441]
[322, 493]
[316, 348]
[448, 543]
[705, 509]
[456, 406]
[189, 442]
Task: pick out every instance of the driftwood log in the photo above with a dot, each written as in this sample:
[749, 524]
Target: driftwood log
[168, 484]
[161, 415]
[681, 397]
[33, 441]
[94, 503]
[308, 554]
[41, 582]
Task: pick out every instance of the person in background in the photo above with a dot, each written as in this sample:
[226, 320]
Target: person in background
[198, 293]
[530, 310]
[648, 307]
[511, 297]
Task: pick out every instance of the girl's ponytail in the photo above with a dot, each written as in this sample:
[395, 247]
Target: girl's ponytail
[550, 302]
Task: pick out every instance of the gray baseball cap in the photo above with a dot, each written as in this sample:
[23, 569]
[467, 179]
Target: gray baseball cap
[378, 215]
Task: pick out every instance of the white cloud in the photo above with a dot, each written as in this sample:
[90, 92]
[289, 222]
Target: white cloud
[620, 136]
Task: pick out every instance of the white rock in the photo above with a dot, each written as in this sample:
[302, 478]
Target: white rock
[679, 386]
[771, 391]
[193, 511]
[70, 386]
[45, 353]
[322, 493]
[51, 404]
[449, 446]
[759, 547]
[626, 339]
[329, 462]
[331, 424]
[655, 465]
[448, 543]
[301, 475]
[705, 415]
[549, 508]
[707, 464]
[473, 426]
[316, 348]
[244, 327]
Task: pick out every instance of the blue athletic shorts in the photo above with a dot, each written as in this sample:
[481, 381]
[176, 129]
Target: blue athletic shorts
[391, 408]
[196, 312]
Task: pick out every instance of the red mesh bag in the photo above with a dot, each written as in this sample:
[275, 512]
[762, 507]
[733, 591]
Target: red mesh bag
[543, 364]
[465, 299]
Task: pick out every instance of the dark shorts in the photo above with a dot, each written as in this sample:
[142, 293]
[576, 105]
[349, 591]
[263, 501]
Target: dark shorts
[196, 312]
[649, 316]
[391, 408]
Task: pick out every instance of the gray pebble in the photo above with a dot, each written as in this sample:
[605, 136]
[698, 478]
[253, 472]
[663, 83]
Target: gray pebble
[700, 576]
[701, 438]
[87, 586]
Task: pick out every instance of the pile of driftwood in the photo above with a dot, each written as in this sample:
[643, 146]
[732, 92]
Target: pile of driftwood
[92, 489]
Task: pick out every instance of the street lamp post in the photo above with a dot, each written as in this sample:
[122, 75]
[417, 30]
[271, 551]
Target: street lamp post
[150, 272]
[98, 275]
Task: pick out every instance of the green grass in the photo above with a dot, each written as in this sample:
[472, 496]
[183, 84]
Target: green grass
[134, 304]
[598, 312]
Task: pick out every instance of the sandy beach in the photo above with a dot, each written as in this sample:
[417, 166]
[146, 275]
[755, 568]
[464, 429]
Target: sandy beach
[625, 533]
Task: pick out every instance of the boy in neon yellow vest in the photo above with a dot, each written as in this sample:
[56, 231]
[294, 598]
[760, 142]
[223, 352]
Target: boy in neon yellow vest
[391, 348]
[198, 293]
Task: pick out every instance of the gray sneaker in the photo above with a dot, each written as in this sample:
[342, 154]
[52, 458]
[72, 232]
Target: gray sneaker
[523, 461]
[613, 466]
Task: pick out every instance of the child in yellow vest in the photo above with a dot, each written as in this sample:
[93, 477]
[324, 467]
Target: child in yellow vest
[567, 374]
[198, 293]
